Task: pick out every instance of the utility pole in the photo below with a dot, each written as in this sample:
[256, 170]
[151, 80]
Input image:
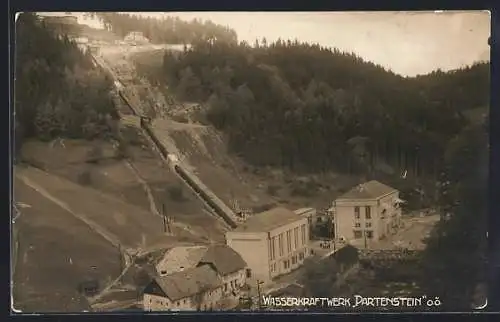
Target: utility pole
[120, 257]
[258, 294]
[164, 218]
[169, 227]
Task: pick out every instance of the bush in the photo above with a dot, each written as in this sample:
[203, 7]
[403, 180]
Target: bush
[95, 155]
[142, 278]
[272, 189]
[122, 150]
[301, 191]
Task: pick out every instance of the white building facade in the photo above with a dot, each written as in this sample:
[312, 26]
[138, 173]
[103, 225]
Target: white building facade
[367, 213]
[272, 243]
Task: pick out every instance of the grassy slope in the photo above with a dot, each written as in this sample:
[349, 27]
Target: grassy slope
[113, 177]
[56, 252]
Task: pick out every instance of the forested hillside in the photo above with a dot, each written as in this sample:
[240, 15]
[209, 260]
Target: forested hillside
[58, 93]
[170, 30]
[309, 108]
[313, 109]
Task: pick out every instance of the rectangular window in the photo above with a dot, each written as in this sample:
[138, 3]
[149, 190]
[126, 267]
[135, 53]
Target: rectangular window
[303, 232]
[294, 260]
[296, 237]
[368, 224]
[369, 234]
[273, 248]
[270, 249]
[356, 212]
[289, 241]
[368, 212]
[357, 234]
[357, 225]
[280, 241]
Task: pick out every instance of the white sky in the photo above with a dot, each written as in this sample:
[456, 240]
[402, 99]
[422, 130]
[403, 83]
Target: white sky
[409, 43]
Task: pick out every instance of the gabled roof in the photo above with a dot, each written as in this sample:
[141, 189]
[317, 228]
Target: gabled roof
[268, 220]
[180, 258]
[224, 259]
[186, 283]
[368, 190]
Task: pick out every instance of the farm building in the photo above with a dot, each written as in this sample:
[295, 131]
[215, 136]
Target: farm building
[196, 278]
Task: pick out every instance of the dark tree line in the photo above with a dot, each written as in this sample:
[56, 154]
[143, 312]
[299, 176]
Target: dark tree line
[58, 92]
[311, 108]
[170, 30]
[454, 263]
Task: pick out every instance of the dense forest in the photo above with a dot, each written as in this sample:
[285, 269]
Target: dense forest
[313, 109]
[169, 30]
[310, 108]
[58, 92]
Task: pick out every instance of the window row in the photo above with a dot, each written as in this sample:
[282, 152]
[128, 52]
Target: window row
[291, 243]
[368, 212]
[359, 234]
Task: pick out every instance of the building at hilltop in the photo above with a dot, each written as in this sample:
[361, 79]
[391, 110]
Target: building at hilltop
[272, 243]
[366, 213]
[136, 37]
[62, 25]
[196, 278]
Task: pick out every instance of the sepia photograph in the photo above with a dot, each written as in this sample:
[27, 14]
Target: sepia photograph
[250, 162]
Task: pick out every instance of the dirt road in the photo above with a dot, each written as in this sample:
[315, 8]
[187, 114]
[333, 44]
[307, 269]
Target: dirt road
[412, 236]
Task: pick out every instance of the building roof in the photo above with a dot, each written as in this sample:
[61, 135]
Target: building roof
[224, 259]
[268, 220]
[303, 211]
[368, 190]
[180, 258]
[188, 282]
